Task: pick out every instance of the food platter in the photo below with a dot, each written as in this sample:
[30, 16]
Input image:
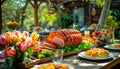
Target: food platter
[82, 55]
[108, 47]
[70, 66]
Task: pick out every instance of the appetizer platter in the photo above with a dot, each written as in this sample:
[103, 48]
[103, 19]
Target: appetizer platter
[114, 46]
[96, 54]
[53, 66]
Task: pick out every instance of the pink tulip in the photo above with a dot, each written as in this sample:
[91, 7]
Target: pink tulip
[22, 46]
[10, 51]
[3, 39]
[16, 32]
[25, 34]
[28, 41]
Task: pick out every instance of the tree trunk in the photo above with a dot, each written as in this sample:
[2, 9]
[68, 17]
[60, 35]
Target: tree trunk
[104, 14]
[35, 13]
[23, 15]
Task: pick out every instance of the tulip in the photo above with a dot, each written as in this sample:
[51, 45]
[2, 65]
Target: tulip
[34, 36]
[14, 38]
[8, 36]
[22, 46]
[18, 33]
[10, 51]
[25, 34]
[3, 39]
[28, 41]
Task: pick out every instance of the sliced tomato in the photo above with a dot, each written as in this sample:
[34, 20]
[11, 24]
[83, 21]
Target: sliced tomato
[118, 46]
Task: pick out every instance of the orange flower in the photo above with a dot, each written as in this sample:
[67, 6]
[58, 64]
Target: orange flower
[14, 38]
[8, 23]
[34, 36]
[15, 23]
[8, 36]
[10, 51]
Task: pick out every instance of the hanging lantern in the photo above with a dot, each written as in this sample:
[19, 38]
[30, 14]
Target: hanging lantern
[93, 12]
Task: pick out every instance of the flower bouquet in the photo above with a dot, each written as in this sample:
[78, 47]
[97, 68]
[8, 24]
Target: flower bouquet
[12, 25]
[19, 45]
[103, 36]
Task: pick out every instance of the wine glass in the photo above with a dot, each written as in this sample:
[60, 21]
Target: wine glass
[58, 56]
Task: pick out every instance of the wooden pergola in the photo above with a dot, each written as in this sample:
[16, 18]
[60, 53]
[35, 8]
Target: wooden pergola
[36, 3]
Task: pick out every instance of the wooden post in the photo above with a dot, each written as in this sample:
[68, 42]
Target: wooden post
[35, 13]
[35, 5]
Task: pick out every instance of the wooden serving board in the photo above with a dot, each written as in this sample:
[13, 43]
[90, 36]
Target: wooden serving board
[43, 60]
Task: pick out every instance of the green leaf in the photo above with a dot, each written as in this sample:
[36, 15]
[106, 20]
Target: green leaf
[30, 51]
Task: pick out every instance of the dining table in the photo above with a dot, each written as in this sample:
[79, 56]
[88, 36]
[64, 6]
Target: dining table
[76, 62]
[81, 63]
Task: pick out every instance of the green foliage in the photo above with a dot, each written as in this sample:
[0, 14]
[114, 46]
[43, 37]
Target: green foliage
[85, 44]
[29, 51]
[111, 21]
[69, 48]
[44, 53]
[29, 21]
[99, 2]
[65, 20]
[43, 16]
[81, 46]
[116, 14]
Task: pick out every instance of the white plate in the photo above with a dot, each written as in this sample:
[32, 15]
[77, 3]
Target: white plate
[82, 55]
[70, 66]
[108, 47]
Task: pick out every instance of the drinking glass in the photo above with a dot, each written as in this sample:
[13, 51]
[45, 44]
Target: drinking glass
[58, 56]
[86, 34]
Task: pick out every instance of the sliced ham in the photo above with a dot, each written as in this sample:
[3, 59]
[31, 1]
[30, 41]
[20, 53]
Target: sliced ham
[58, 41]
[49, 45]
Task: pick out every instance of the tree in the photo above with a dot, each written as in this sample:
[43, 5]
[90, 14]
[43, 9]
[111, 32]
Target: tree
[1, 2]
[12, 10]
[35, 4]
[104, 14]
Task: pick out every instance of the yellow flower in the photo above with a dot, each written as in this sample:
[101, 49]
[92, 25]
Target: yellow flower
[8, 23]
[34, 36]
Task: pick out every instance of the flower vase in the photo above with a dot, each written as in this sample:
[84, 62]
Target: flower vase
[9, 61]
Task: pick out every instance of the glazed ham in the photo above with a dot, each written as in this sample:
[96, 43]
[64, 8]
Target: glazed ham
[62, 37]
[58, 41]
